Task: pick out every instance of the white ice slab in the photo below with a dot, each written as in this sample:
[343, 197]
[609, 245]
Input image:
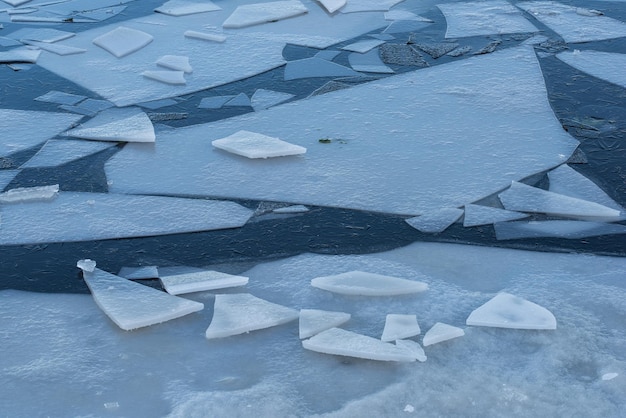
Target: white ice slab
[435, 221]
[314, 321]
[567, 181]
[139, 273]
[60, 97]
[509, 311]
[347, 343]
[86, 264]
[332, 5]
[607, 66]
[400, 326]
[132, 305]
[123, 41]
[175, 62]
[262, 98]
[337, 174]
[363, 46]
[354, 6]
[255, 145]
[258, 13]
[367, 284]
[476, 215]
[185, 7]
[574, 24]
[168, 77]
[75, 216]
[524, 198]
[60, 151]
[30, 194]
[198, 281]
[556, 229]
[412, 347]
[19, 55]
[125, 125]
[241, 99]
[47, 35]
[483, 18]
[204, 36]
[241, 313]
[291, 209]
[441, 332]
[369, 62]
[316, 67]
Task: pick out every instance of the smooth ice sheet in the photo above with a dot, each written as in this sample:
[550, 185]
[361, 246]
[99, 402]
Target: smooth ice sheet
[363, 283]
[255, 145]
[400, 326]
[608, 66]
[75, 216]
[139, 273]
[132, 305]
[510, 311]
[262, 98]
[56, 152]
[241, 313]
[314, 321]
[119, 125]
[476, 215]
[373, 129]
[441, 332]
[176, 284]
[556, 229]
[574, 24]
[315, 67]
[258, 13]
[435, 221]
[483, 18]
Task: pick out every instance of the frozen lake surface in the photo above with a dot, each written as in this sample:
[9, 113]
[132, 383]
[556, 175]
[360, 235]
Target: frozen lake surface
[364, 208]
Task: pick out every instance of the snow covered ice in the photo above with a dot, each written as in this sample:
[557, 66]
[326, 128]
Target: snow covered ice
[367, 284]
[509, 311]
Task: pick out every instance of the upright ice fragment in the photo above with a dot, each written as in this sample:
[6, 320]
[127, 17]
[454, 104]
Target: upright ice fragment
[86, 264]
[125, 125]
[241, 312]
[132, 305]
[441, 332]
[197, 281]
[255, 145]
[435, 221]
[123, 41]
[367, 284]
[398, 327]
[509, 311]
[476, 215]
[257, 13]
[314, 321]
[346, 343]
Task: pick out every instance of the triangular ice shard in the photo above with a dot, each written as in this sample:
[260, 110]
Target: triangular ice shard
[255, 14]
[139, 273]
[412, 347]
[255, 145]
[608, 66]
[332, 5]
[524, 198]
[185, 7]
[556, 229]
[197, 281]
[476, 215]
[398, 327]
[367, 284]
[239, 313]
[314, 321]
[509, 311]
[132, 305]
[346, 343]
[441, 332]
[125, 125]
[123, 41]
[315, 67]
[262, 98]
[435, 221]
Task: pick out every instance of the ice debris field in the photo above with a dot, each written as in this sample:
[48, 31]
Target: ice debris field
[232, 208]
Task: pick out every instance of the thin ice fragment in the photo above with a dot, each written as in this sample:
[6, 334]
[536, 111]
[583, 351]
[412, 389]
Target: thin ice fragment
[476, 215]
[185, 7]
[213, 37]
[197, 281]
[412, 347]
[126, 125]
[556, 229]
[258, 13]
[354, 6]
[123, 41]
[291, 209]
[30, 194]
[441, 332]
[397, 14]
[332, 5]
[60, 97]
[436, 221]
[363, 46]
[509, 311]
[47, 35]
[437, 50]
[19, 55]
[314, 321]
[316, 67]
[241, 99]
[255, 145]
[262, 98]
[398, 327]
[139, 273]
[368, 284]
[175, 62]
[214, 102]
[369, 62]
[167, 77]
[56, 152]
[607, 66]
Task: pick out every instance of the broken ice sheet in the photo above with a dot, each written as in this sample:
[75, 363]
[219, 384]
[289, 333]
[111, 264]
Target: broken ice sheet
[347, 343]
[368, 284]
[483, 18]
[175, 62]
[139, 273]
[30, 194]
[508, 311]
[167, 77]
[132, 305]
[58, 49]
[255, 145]
[574, 24]
[369, 62]
[363, 46]
[76, 216]
[60, 97]
[441, 332]
[258, 13]
[119, 125]
[315, 67]
[435, 221]
[241, 99]
[186, 7]
[197, 281]
[262, 98]
[556, 229]
[399, 326]
[56, 152]
[608, 66]
[314, 321]
[123, 41]
[47, 35]
[476, 215]
[353, 6]
[240, 313]
[19, 55]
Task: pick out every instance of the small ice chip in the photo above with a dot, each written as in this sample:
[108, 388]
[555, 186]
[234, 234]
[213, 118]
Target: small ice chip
[409, 408]
[609, 376]
[255, 145]
[86, 264]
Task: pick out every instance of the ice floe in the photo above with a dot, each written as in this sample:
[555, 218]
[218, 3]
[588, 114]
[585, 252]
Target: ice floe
[332, 5]
[609, 376]
[556, 229]
[255, 145]
[119, 125]
[607, 66]
[441, 332]
[263, 98]
[483, 18]
[524, 198]
[315, 67]
[347, 343]
[476, 215]
[400, 326]
[175, 62]
[363, 283]
[509, 311]
[166, 76]
[363, 46]
[139, 273]
[369, 62]
[197, 281]
[123, 41]
[76, 216]
[60, 151]
[376, 123]
[412, 347]
[435, 221]
[30, 194]
[241, 313]
[186, 7]
[132, 305]
[574, 24]
[258, 13]
[314, 321]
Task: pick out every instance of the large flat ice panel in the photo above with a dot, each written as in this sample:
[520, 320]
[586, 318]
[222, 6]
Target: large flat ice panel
[314, 321]
[75, 216]
[608, 66]
[574, 24]
[483, 18]
[258, 13]
[241, 313]
[60, 151]
[367, 284]
[556, 229]
[125, 125]
[509, 311]
[347, 343]
[476, 215]
[198, 281]
[132, 305]
[502, 123]
[441, 332]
